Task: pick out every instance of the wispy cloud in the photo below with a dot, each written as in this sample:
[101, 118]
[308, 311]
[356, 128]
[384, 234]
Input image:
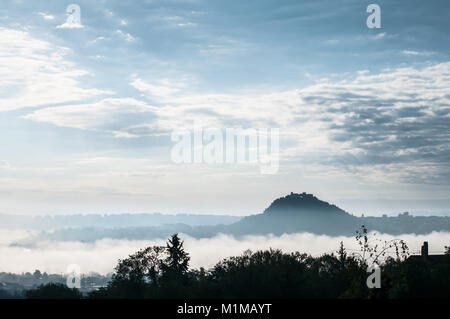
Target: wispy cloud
[67, 25]
[126, 36]
[383, 120]
[331, 41]
[162, 89]
[417, 53]
[46, 16]
[117, 116]
[36, 73]
[97, 40]
[4, 165]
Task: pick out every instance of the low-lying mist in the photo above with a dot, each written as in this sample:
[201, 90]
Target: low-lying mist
[102, 255]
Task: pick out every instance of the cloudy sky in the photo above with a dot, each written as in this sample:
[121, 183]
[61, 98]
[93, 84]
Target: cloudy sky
[86, 112]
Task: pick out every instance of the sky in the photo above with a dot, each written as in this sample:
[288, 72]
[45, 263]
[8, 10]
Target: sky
[87, 109]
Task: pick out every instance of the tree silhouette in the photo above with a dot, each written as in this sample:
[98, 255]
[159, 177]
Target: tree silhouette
[374, 250]
[175, 279]
[53, 291]
[163, 272]
[177, 262]
[133, 275]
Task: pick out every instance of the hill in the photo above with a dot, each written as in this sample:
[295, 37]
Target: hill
[298, 213]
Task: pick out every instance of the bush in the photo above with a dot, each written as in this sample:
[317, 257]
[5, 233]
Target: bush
[53, 291]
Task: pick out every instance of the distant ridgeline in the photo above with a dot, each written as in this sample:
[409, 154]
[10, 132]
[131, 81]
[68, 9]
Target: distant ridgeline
[111, 221]
[306, 213]
[293, 213]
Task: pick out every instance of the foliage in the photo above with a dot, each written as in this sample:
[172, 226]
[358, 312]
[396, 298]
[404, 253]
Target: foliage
[163, 272]
[373, 251]
[53, 291]
[176, 263]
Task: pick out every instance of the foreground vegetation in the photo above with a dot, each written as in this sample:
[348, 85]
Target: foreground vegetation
[163, 272]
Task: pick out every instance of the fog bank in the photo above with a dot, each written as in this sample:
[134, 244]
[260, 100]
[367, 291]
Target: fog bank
[102, 256]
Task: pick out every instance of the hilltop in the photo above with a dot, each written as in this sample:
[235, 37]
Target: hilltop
[301, 204]
[298, 213]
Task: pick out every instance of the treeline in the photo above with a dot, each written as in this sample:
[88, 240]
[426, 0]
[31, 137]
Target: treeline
[163, 273]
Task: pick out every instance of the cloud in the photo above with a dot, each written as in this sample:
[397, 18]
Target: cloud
[187, 24]
[392, 123]
[155, 90]
[67, 25]
[117, 116]
[362, 72]
[176, 21]
[4, 165]
[103, 255]
[216, 110]
[98, 57]
[46, 16]
[332, 41]
[126, 36]
[417, 53]
[36, 73]
[398, 120]
[96, 40]
[379, 36]
[109, 13]
[392, 119]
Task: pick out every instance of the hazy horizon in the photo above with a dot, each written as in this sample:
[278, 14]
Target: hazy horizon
[355, 207]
